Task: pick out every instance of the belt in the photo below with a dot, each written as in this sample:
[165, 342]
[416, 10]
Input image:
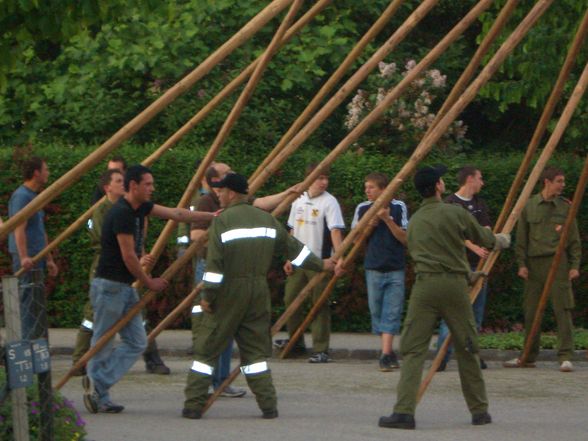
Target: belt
[444, 275]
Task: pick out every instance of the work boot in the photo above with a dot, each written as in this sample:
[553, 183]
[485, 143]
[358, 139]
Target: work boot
[442, 366]
[153, 362]
[483, 364]
[398, 421]
[192, 414]
[270, 414]
[479, 419]
[298, 349]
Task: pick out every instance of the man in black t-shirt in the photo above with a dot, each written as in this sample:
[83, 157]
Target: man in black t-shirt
[470, 184]
[111, 293]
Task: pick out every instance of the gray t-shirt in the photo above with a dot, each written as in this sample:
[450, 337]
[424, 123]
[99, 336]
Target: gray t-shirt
[35, 228]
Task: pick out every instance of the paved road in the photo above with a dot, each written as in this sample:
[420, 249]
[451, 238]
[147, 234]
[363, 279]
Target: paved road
[342, 401]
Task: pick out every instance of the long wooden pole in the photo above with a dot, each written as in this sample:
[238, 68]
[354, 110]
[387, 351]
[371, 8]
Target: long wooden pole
[392, 96]
[350, 85]
[458, 88]
[425, 146]
[145, 116]
[226, 128]
[171, 317]
[221, 137]
[561, 248]
[374, 30]
[176, 137]
[546, 154]
[522, 171]
[147, 297]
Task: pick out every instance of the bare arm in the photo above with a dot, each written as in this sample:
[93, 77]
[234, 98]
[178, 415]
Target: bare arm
[180, 214]
[268, 203]
[336, 238]
[20, 238]
[397, 232]
[479, 251]
[126, 242]
[197, 234]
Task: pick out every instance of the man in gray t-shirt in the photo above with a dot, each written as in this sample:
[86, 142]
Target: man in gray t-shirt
[29, 238]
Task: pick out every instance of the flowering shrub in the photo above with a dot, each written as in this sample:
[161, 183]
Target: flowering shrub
[68, 425]
[405, 122]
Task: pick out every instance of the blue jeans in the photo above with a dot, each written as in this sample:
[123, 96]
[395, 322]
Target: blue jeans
[222, 368]
[386, 300]
[111, 301]
[478, 307]
[28, 310]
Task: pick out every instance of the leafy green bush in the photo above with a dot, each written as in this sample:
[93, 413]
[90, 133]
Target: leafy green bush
[68, 293]
[68, 425]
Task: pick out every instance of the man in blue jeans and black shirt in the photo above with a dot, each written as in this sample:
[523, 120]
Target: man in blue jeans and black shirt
[470, 183]
[111, 291]
[384, 265]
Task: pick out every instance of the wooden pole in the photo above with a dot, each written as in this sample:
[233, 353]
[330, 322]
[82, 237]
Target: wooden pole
[226, 128]
[176, 137]
[18, 397]
[532, 147]
[170, 318]
[527, 190]
[392, 96]
[328, 86]
[168, 274]
[554, 98]
[536, 326]
[145, 116]
[349, 86]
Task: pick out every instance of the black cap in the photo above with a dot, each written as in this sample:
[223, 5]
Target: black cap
[428, 176]
[233, 181]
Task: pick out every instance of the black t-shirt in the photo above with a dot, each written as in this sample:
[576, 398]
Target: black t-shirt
[477, 208]
[121, 219]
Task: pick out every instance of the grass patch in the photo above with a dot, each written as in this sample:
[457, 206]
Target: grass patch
[515, 340]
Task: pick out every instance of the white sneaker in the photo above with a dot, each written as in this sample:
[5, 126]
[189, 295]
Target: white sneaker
[566, 366]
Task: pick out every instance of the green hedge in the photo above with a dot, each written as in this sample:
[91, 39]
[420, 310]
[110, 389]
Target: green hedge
[68, 293]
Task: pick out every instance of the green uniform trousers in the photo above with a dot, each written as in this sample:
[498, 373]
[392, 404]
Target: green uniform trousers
[242, 311]
[321, 325]
[436, 295]
[562, 300]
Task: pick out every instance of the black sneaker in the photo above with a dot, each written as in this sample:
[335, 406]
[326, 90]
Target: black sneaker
[479, 419]
[192, 414]
[270, 414]
[388, 362]
[319, 357]
[298, 349]
[483, 364]
[232, 392]
[110, 407]
[398, 421]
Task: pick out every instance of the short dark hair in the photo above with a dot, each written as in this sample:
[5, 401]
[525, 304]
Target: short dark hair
[106, 177]
[135, 173]
[380, 179]
[30, 166]
[211, 172]
[312, 167]
[426, 179]
[119, 158]
[464, 173]
[550, 173]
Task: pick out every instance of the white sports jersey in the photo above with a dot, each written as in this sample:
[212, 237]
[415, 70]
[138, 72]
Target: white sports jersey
[312, 218]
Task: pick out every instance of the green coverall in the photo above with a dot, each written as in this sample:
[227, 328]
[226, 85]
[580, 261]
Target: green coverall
[538, 234]
[84, 336]
[242, 242]
[436, 235]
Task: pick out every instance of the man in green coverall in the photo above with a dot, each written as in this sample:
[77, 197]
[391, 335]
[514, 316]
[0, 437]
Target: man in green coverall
[436, 236]
[538, 233]
[242, 243]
